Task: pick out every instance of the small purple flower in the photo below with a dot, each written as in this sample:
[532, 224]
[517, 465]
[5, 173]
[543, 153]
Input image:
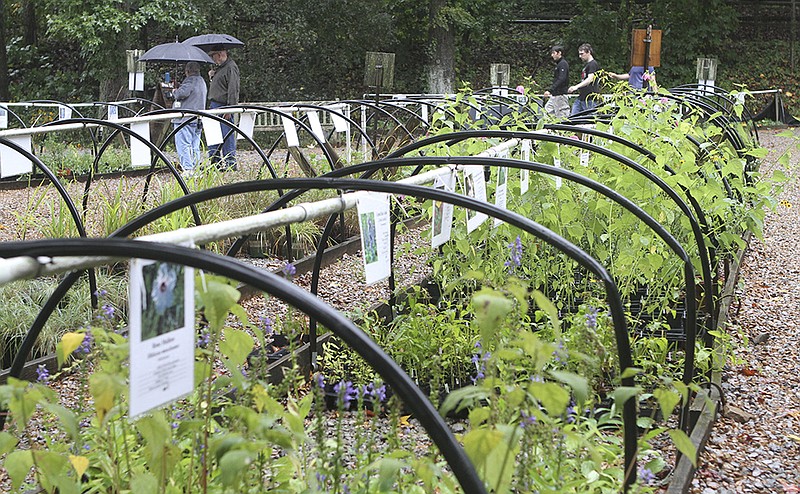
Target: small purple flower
[480, 359]
[204, 339]
[320, 380]
[266, 323]
[345, 393]
[571, 414]
[42, 374]
[106, 313]
[100, 293]
[591, 318]
[321, 479]
[86, 345]
[379, 393]
[646, 477]
[515, 250]
[526, 420]
[289, 270]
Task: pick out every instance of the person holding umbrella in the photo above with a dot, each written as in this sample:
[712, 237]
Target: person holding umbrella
[224, 91]
[191, 95]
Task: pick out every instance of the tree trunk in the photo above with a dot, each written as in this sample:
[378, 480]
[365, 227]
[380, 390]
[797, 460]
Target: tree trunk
[29, 20]
[441, 71]
[5, 94]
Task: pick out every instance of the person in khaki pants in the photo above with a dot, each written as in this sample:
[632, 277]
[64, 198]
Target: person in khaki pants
[558, 102]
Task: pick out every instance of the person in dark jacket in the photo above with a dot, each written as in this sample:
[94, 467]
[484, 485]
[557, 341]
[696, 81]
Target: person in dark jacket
[558, 102]
[224, 91]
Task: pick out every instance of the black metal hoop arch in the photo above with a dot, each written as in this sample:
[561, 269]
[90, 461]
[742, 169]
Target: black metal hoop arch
[58, 122]
[393, 375]
[698, 211]
[341, 115]
[108, 104]
[433, 107]
[487, 95]
[392, 103]
[62, 192]
[376, 110]
[726, 108]
[577, 254]
[719, 93]
[625, 161]
[704, 108]
[12, 112]
[689, 278]
[453, 102]
[159, 154]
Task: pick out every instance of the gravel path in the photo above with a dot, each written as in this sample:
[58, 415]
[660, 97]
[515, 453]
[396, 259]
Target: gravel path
[758, 449]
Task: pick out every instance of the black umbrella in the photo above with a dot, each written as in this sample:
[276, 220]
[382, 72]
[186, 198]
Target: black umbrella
[209, 41]
[175, 52]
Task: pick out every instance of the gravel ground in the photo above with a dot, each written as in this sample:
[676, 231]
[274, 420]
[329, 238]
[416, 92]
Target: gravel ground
[755, 446]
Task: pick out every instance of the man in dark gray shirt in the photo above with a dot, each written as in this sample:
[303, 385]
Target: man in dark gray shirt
[224, 91]
[191, 95]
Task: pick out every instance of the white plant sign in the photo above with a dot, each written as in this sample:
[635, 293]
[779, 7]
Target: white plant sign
[162, 334]
[442, 217]
[474, 187]
[373, 218]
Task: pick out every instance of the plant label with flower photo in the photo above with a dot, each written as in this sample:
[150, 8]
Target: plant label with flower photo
[162, 333]
[373, 218]
[442, 218]
[474, 187]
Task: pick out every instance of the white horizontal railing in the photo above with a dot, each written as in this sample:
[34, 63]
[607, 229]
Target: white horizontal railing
[28, 267]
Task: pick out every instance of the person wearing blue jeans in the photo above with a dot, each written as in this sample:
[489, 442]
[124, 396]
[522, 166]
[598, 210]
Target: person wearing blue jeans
[224, 91]
[588, 89]
[191, 95]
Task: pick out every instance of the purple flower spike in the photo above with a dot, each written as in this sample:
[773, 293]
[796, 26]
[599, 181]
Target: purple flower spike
[515, 251]
[42, 374]
[345, 393]
[289, 270]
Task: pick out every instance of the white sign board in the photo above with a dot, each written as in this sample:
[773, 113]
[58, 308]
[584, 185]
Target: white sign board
[316, 127]
[162, 334]
[140, 151]
[501, 192]
[290, 130]
[474, 187]
[373, 218]
[442, 217]
[12, 163]
[212, 129]
[247, 122]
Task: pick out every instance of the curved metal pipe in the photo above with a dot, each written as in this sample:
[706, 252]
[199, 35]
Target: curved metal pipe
[343, 328]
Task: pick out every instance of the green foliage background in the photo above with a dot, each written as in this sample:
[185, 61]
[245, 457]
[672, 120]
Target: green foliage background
[73, 50]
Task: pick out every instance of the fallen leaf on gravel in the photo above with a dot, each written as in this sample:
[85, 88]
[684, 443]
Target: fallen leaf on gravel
[793, 437]
[747, 371]
[404, 420]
